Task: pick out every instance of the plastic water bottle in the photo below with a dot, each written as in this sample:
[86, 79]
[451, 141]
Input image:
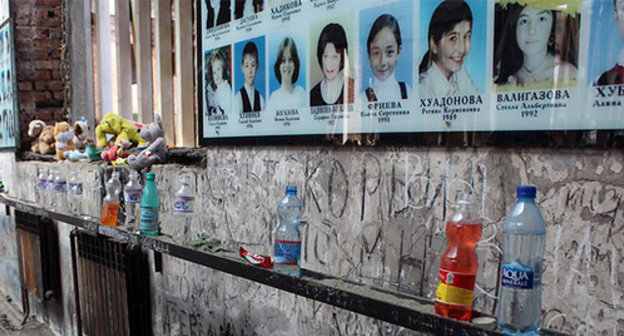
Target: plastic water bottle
[50, 190]
[183, 209]
[75, 195]
[132, 198]
[40, 187]
[458, 265]
[110, 205]
[523, 249]
[149, 207]
[287, 236]
[60, 190]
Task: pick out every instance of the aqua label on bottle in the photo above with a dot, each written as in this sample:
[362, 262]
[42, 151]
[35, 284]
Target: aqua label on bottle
[287, 252]
[149, 219]
[183, 204]
[133, 195]
[60, 187]
[41, 183]
[516, 275]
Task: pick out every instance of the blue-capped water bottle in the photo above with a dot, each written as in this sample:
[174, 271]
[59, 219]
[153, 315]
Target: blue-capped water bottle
[40, 187]
[288, 236]
[60, 190]
[520, 302]
[51, 197]
[132, 200]
[74, 196]
[183, 210]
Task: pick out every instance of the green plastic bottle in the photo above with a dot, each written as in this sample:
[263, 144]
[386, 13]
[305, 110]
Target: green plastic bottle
[149, 207]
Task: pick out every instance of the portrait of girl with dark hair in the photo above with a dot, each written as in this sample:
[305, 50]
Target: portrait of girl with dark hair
[287, 68]
[611, 74]
[527, 54]
[442, 71]
[384, 46]
[218, 12]
[336, 87]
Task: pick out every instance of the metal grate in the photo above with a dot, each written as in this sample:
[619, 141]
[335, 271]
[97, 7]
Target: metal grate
[111, 280]
[38, 255]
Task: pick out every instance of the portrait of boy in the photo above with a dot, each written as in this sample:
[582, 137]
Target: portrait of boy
[249, 98]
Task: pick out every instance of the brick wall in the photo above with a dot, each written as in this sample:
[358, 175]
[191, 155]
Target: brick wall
[38, 41]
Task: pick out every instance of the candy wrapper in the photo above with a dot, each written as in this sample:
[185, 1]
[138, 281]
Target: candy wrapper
[255, 259]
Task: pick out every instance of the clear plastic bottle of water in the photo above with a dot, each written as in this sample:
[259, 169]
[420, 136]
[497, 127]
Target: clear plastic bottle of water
[183, 209]
[74, 196]
[132, 199]
[40, 187]
[523, 249]
[60, 190]
[287, 254]
[51, 198]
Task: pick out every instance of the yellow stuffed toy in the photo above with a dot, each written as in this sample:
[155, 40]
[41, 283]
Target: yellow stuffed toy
[125, 131]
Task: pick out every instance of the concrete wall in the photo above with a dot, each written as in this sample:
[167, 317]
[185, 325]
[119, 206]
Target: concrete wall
[377, 216]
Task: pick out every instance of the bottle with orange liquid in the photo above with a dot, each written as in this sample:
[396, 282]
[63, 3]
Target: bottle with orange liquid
[458, 265]
[110, 205]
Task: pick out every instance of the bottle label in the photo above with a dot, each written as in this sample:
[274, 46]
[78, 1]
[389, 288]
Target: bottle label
[41, 183]
[133, 195]
[60, 186]
[183, 204]
[516, 275]
[287, 252]
[75, 188]
[149, 219]
[455, 288]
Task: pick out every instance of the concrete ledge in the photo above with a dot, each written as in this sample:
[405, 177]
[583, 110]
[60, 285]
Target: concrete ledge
[405, 310]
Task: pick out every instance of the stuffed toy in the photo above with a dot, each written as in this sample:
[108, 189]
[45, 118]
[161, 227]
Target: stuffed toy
[44, 134]
[152, 131]
[155, 153]
[74, 155]
[81, 132]
[113, 153]
[125, 131]
[35, 127]
[92, 153]
[64, 136]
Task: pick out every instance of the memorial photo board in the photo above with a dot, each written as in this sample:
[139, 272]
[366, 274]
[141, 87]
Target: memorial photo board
[280, 68]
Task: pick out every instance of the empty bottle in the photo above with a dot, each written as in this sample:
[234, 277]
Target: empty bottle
[287, 254]
[50, 196]
[110, 204]
[523, 249]
[132, 199]
[40, 187]
[458, 265]
[149, 207]
[183, 209]
[74, 196]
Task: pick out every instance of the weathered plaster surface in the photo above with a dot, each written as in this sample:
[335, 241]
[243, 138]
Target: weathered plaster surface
[377, 216]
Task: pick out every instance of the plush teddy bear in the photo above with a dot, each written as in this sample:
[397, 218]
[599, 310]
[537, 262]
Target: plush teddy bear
[64, 136]
[125, 131]
[43, 135]
[155, 153]
[81, 132]
[152, 131]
